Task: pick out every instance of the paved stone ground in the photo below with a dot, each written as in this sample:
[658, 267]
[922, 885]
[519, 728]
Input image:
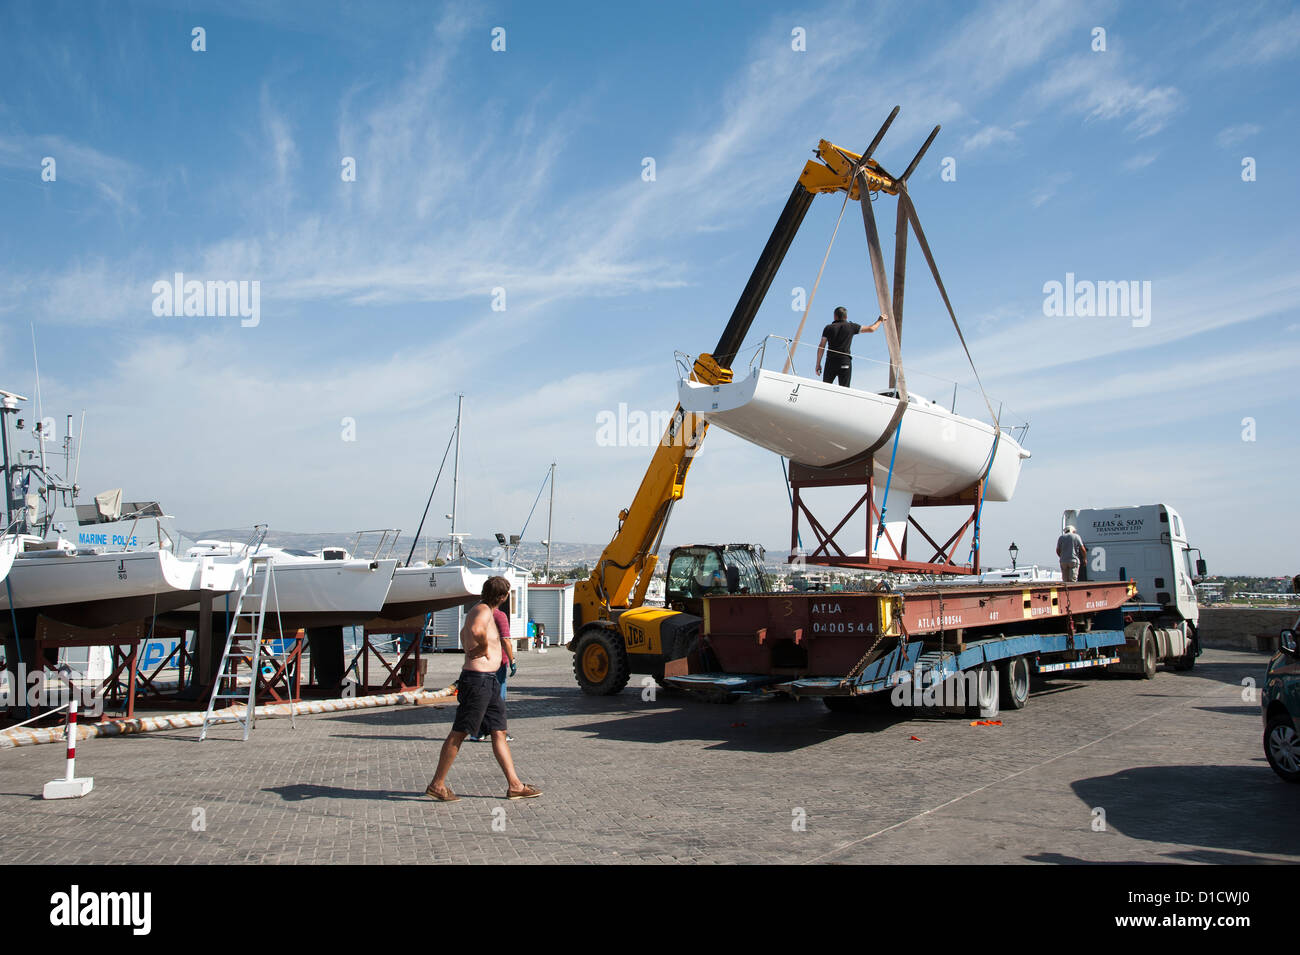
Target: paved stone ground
[1175, 764]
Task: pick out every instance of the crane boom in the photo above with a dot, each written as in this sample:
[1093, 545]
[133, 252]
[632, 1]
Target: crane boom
[623, 572]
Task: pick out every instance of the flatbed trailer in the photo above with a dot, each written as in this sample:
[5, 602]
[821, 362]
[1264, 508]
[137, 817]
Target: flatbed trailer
[839, 646]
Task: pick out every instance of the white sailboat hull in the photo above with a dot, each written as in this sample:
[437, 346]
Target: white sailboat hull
[816, 424]
[317, 593]
[101, 590]
[422, 588]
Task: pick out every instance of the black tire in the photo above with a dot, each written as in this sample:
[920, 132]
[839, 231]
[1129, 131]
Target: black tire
[1015, 683]
[1188, 659]
[1150, 655]
[1282, 747]
[600, 662]
[987, 695]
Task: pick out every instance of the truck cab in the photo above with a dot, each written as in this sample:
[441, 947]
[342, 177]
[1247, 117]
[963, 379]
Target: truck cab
[1147, 544]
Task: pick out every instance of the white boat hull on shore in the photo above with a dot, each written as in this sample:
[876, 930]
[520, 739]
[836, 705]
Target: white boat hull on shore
[422, 589]
[102, 590]
[310, 592]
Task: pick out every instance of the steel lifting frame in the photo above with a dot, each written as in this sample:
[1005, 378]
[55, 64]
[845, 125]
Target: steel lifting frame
[828, 551]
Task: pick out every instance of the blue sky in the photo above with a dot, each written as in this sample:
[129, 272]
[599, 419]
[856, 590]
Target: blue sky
[522, 170]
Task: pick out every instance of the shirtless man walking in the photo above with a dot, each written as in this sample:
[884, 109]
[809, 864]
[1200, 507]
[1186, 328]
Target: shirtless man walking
[479, 696]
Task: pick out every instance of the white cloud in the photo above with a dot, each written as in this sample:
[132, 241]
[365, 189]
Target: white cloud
[1140, 161]
[1230, 136]
[77, 166]
[1095, 85]
[988, 136]
[1046, 189]
[1265, 43]
[1205, 299]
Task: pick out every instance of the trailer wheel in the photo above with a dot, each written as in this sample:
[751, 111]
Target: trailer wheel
[1282, 747]
[1015, 683]
[986, 693]
[600, 662]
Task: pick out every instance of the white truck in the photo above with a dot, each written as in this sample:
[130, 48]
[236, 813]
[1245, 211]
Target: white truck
[1147, 544]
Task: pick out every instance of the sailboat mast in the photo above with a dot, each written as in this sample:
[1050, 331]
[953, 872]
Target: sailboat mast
[4, 439]
[455, 478]
[550, 513]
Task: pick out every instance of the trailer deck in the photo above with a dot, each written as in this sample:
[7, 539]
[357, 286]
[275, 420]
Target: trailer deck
[852, 644]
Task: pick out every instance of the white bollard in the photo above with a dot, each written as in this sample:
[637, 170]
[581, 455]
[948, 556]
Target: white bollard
[69, 786]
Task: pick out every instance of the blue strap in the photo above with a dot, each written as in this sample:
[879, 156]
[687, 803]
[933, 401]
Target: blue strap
[979, 508]
[889, 478]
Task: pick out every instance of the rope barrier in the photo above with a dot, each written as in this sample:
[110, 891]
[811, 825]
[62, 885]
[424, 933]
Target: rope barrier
[151, 724]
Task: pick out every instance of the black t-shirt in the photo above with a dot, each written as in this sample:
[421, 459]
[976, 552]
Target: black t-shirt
[839, 338]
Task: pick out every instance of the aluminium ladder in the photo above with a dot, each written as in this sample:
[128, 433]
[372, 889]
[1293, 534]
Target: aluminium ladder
[246, 643]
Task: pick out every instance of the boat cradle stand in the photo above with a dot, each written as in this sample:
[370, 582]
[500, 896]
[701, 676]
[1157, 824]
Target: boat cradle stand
[883, 553]
[119, 689]
[407, 672]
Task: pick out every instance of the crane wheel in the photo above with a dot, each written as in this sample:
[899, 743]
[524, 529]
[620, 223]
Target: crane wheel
[600, 662]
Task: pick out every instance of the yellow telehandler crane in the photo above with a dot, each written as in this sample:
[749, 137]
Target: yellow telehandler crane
[615, 635]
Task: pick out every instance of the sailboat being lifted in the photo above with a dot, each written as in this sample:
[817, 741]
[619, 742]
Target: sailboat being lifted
[938, 453]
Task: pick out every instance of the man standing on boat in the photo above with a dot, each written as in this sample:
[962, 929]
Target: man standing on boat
[479, 696]
[1070, 549]
[839, 336]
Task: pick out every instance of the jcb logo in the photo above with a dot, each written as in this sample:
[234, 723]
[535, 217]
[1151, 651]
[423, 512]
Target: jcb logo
[635, 637]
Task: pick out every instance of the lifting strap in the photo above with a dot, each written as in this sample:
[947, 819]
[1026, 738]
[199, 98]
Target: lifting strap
[891, 331]
[789, 358]
[905, 201]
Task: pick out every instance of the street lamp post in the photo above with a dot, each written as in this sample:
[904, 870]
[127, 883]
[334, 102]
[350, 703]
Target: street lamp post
[1014, 551]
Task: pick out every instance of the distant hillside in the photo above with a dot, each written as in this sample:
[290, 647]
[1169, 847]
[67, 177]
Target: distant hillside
[564, 554]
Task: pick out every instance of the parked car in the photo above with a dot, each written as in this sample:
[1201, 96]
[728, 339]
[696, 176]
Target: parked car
[1280, 702]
